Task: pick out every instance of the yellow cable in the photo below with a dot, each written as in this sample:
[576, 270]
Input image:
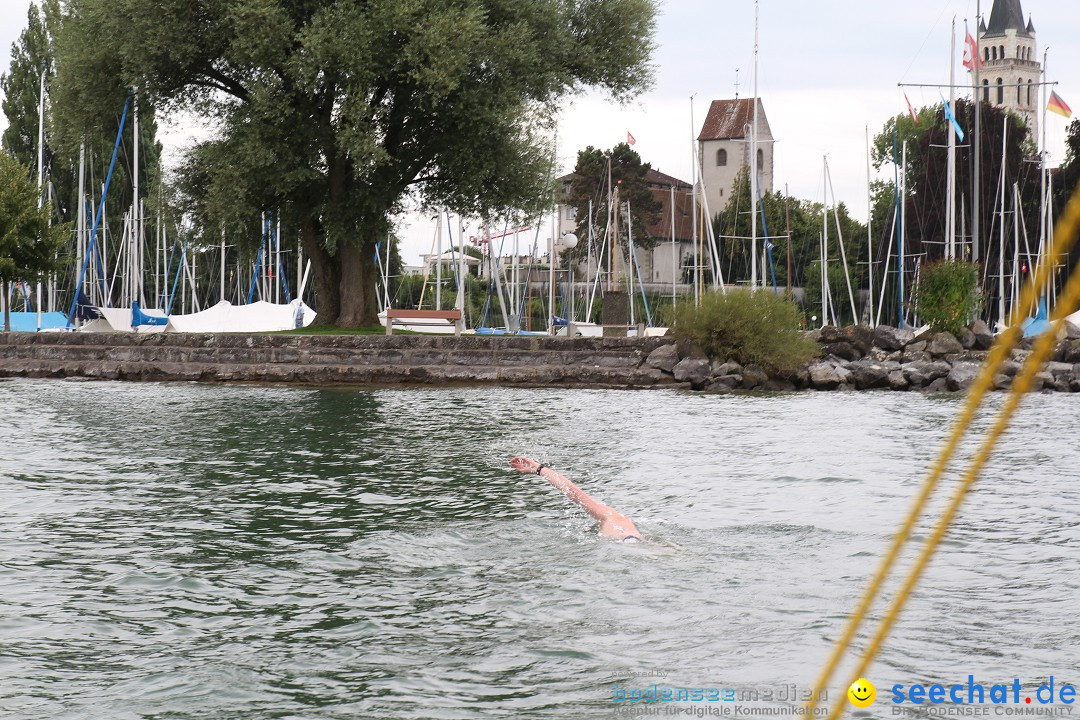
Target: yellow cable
[1064, 239]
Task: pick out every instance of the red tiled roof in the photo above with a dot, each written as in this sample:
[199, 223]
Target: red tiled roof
[655, 178]
[728, 119]
[683, 213]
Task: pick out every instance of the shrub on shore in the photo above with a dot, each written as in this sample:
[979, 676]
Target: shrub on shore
[947, 296]
[751, 328]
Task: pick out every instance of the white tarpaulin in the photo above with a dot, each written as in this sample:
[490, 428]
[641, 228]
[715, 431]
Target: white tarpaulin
[256, 317]
[119, 320]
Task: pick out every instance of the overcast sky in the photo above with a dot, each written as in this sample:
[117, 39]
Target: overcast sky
[827, 70]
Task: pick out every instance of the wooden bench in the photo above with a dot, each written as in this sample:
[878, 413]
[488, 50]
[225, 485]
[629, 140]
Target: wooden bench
[406, 314]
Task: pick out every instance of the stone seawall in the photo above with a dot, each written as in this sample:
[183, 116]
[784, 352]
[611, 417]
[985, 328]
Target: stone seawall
[336, 359]
[854, 358]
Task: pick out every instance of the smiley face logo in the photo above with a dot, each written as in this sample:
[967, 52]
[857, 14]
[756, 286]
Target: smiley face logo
[862, 693]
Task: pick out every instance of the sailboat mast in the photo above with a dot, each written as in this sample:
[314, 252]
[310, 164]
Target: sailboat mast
[754, 162]
[136, 217]
[903, 229]
[950, 202]
[1044, 219]
[1001, 237]
[41, 174]
[694, 203]
[824, 244]
[221, 293]
[976, 192]
[674, 261]
[869, 237]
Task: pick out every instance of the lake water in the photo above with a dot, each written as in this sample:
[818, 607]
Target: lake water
[201, 551]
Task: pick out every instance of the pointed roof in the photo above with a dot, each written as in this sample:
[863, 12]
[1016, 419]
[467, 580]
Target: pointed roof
[1006, 15]
[729, 119]
[1031, 26]
[655, 178]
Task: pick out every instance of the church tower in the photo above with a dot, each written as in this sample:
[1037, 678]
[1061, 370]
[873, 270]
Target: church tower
[1011, 70]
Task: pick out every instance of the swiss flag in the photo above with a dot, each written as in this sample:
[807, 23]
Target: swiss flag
[630, 138]
[971, 54]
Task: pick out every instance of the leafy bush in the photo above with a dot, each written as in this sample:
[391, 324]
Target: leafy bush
[947, 295]
[750, 328]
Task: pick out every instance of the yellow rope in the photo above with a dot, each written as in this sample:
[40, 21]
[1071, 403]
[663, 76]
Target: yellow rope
[1064, 238]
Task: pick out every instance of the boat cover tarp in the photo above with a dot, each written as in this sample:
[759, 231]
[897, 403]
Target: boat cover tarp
[256, 317]
[28, 321]
[119, 320]
[138, 317]
[1035, 326]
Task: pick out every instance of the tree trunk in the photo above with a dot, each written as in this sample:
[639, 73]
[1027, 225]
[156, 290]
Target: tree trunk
[325, 276]
[7, 305]
[356, 264]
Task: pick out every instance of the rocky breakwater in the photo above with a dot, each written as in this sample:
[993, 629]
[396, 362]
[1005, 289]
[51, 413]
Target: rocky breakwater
[884, 358]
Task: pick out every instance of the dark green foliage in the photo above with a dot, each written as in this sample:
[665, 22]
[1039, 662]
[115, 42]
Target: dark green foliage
[28, 246]
[34, 52]
[948, 297]
[927, 174]
[750, 328]
[1067, 180]
[628, 174]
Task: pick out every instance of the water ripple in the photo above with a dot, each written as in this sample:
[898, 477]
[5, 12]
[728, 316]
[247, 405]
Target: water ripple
[182, 550]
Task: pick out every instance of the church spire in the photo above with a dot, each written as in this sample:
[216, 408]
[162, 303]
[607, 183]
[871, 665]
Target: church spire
[1007, 15]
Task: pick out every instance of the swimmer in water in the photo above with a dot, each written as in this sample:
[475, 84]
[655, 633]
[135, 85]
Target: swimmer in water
[613, 524]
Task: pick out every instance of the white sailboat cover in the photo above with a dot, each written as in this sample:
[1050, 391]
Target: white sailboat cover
[119, 320]
[256, 317]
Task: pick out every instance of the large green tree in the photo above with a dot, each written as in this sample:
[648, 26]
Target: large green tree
[21, 84]
[626, 172]
[927, 173]
[333, 112]
[32, 54]
[29, 247]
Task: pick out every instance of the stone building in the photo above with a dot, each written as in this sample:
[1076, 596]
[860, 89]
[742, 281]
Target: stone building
[1011, 70]
[724, 148]
[660, 264]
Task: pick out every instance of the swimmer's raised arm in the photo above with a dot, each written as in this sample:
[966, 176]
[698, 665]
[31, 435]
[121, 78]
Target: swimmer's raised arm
[612, 522]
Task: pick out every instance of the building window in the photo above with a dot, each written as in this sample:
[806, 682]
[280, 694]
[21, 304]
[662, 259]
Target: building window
[995, 53]
[1019, 84]
[986, 50]
[760, 160]
[566, 188]
[571, 213]
[721, 192]
[1029, 93]
[1002, 52]
[986, 91]
[1000, 92]
[721, 158]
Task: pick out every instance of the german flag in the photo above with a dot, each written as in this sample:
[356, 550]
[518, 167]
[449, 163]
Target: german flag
[1058, 105]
